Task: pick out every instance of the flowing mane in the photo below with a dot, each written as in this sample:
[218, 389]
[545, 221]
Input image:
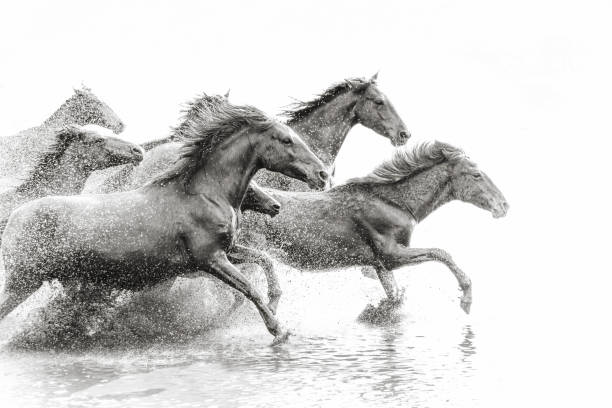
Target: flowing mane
[299, 109]
[203, 128]
[405, 162]
[50, 157]
[199, 107]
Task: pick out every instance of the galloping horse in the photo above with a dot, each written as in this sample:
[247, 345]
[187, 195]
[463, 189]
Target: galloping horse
[369, 220]
[182, 223]
[325, 121]
[66, 165]
[162, 156]
[82, 108]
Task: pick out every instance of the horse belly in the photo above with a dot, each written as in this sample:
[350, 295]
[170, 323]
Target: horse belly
[132, 272]
[323, 247]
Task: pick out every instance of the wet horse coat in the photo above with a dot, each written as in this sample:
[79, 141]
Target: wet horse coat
[369, 221]
[182, 223]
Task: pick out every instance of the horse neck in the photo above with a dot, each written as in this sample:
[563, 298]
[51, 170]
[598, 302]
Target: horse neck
[228, 170]
[67, 178]
[325, 129]
[421, 194]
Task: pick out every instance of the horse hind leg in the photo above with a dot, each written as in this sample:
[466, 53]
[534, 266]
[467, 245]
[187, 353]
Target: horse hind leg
[241, 253]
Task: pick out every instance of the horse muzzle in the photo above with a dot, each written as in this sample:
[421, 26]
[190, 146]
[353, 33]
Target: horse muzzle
[500, 210]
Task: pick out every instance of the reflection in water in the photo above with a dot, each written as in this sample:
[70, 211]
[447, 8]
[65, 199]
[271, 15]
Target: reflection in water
[332, 358]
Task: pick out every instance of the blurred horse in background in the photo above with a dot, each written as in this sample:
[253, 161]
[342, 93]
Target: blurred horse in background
[66, 165]
[19, 152]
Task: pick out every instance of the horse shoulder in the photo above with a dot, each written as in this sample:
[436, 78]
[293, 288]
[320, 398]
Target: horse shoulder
[387, 220]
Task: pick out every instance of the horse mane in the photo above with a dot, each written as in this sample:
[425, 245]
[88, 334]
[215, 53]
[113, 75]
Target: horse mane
[205, 125]
[50, 157]
[406, 162]
[299, 110]
[200, 106]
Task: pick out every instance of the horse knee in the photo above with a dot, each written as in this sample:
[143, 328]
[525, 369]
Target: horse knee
[275, 292]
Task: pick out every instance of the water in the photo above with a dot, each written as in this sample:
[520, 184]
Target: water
[430, 356]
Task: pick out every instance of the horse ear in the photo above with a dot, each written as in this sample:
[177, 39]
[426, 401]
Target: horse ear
[374, 77]
[227, 94]
[349, 83]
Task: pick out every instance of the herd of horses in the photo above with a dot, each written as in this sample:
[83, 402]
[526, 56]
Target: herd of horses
[98, 210]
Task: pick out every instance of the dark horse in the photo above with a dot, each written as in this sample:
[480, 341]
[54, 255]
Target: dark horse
[163, 154]
[82, 108]
[369, 220]
[182, 223]
[66, 165]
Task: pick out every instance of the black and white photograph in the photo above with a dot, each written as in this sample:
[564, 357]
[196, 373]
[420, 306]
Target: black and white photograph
[305, 204]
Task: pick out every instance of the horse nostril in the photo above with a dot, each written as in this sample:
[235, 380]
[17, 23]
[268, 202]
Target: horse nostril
[404, 135]
[276, 207]
[323, 175]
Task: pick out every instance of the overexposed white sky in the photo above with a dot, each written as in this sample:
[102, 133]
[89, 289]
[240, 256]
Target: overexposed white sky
[524, 87]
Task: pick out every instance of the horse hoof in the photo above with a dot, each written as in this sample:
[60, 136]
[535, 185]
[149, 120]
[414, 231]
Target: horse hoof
[466, 305]
[282, 337]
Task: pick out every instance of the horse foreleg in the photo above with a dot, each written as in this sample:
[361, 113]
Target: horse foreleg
[381, 245]
[246, 254]
[387, 280]
[221, 268]
[401, 256]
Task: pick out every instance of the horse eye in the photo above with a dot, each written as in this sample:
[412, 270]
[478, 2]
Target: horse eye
[477, 175]
[379, 101]
[286, 141]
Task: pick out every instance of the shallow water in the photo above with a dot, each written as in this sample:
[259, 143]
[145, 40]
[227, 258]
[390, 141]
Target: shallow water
[430, 356]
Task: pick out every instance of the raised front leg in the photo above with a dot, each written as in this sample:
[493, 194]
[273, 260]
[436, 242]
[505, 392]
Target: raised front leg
[242, 254]
[219, 266]
[393, 255]
[402, 256]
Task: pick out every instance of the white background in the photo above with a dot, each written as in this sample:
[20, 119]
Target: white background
[523, 87]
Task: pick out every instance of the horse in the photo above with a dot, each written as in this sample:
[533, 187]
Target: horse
[82, 108]
[370, 220]
[325, 121]
[182, 223]
[66, 165]
[162, 154]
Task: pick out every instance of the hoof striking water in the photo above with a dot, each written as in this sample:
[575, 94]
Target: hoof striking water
[466, 304]
[282, 337]
[387, 311]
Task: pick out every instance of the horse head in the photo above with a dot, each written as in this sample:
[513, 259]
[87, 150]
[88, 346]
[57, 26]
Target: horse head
[284, 151]
[258, 200]
[470, 184]
[96, 151]
[85, 108]
[375, 111]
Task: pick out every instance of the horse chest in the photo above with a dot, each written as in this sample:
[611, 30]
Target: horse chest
[223, 227]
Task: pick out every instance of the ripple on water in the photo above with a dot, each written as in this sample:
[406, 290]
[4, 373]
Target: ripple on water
[332, 358]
